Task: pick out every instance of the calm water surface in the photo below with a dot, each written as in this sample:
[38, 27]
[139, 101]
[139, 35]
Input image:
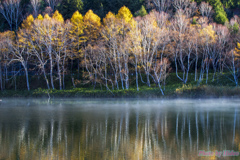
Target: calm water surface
[117, 129]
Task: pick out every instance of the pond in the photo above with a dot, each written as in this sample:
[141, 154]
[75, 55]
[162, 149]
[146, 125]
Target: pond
[119, 129]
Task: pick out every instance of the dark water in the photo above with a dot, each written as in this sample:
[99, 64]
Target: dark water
[117, 129]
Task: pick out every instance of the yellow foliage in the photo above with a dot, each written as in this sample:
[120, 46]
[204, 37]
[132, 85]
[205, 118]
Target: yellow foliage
[92, 19]
[6, 39]
[238, 48]
[125, 14]
[237, 51]
[76, 32]
[28, 22]
[77, 19]
[21, 37]
[77, 26]
[111, 26]
[208, 34]
[39, 17]
[46, 17]
[58, 17]
[109, 17]
[92, 23]
[133, 24]
[134, 37]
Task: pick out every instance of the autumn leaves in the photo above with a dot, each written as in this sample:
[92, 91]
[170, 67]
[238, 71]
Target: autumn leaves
[120, 51]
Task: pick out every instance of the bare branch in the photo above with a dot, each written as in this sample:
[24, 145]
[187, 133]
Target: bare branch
[12, 12]
[205, 9]
[35, 6]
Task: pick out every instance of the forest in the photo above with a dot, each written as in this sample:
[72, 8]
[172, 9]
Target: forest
[118, 44]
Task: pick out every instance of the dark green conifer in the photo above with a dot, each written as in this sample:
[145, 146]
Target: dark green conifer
[142, 12]
[68, 7]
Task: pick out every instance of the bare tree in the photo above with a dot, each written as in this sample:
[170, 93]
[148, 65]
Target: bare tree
[35, 6]
[134, 41]
[12, 12]
[182, 56]
[53, 3]
[5, 50]
[151, 36]
[205, 9]
[203, 21]
[95, 59]
[111, 38]
[20, 53]
[162, 5]
[217, 49]
[192, 8]
[161, 19]
[196, 48]
[60, 43]
[181, 4]
[48, 10]
[41, 38]
[232, 63]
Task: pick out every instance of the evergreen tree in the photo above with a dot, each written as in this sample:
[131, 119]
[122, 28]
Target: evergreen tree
[102, 7]
[142, 12]
[194, 21]
[228, 3]
[68, 7]
[220, 17]
[235, 28]
[220, 14]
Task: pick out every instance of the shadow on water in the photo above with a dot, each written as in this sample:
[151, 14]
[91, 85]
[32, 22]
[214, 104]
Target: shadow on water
[117, 129]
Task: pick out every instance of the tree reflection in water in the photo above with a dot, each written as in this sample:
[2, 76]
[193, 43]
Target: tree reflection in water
[116, 130]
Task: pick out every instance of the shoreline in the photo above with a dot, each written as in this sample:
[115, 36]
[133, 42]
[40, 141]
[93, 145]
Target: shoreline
[189, 92]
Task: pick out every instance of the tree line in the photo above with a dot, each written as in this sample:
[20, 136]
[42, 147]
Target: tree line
[13, 12]
[118, 49]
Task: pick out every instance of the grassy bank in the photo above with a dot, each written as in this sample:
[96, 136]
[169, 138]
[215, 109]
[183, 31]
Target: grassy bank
[186, 91]
[220, 87]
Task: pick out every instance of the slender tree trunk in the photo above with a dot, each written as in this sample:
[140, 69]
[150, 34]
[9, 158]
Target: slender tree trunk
[127, 76]
[116, 81]
[106, 82]
[1, 80]
[176, 66]
[159, 85]
[26, 73]
[187, 71]
[207, 68]
[15, 83]
[196, 63]
[63, 69]
[59, 75]
[121, 77]
[72, 78]
[6, 76]
[46, 79]
[51, 70]
[120, 71]
[78, 68]
[148, 80]
[95, 80]
[136, 71]
[201, 71]
[63, 72]
[214, 73]
[63, 82]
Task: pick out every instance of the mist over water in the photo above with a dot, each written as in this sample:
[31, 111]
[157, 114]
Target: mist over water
[117, 128]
